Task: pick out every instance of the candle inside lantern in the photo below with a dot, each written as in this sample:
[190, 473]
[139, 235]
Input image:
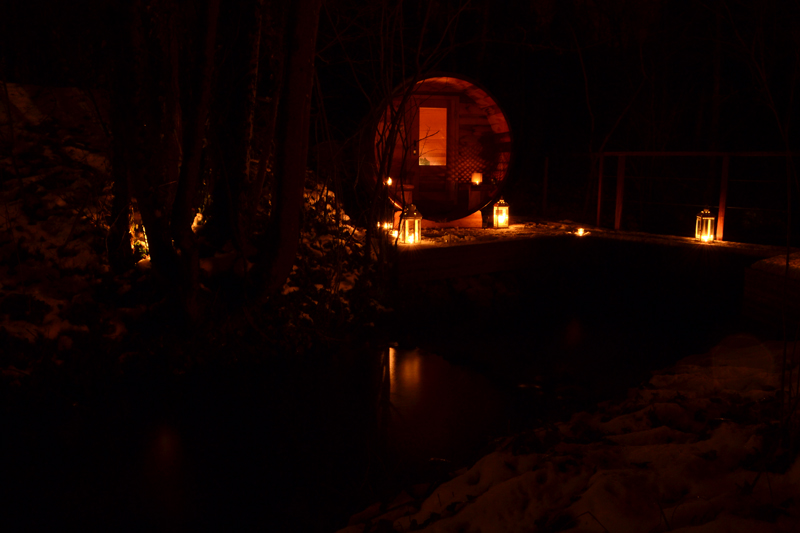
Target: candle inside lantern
[410, 225]
[477, 178]
[580, 232]
[501, 214]
[704, 229]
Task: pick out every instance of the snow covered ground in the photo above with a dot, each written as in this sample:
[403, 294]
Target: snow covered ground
[693, 450]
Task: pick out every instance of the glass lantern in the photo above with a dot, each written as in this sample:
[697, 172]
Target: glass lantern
[704, 230]
[410, 225]
[500, 219]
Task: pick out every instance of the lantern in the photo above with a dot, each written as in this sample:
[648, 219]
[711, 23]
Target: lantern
[410, 225]
[500, 214]
[704, 231]
[477, 178]
[580, 232]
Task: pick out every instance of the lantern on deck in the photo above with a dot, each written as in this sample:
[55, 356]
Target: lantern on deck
[410, 225]
[500, 219]
[704, 230]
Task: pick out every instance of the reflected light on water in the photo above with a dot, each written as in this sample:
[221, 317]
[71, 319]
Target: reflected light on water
[439, 409]
[163, 470]
[408, 377]
[392, 369]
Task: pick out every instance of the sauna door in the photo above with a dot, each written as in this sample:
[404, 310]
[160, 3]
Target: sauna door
[435, 130]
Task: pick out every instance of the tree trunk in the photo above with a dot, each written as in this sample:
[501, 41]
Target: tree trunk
[233, 118]
[155, 155]
[270, 86]
[196, 103]
[280, 240]
[118, 244]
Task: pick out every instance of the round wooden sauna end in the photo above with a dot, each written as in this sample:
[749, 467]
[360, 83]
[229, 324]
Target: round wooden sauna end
[443, 144]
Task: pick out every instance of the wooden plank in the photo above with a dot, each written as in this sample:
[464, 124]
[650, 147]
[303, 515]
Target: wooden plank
[472, 121]
[620, 191]
[423, 263]
[432, 261]
[723, 197]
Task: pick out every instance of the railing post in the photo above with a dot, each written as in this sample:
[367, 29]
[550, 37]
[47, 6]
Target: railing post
[544, 187]
[723, 196]
[620, 190]
[599, 188]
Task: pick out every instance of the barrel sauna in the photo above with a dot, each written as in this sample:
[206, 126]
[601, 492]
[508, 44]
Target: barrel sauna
[444, 145]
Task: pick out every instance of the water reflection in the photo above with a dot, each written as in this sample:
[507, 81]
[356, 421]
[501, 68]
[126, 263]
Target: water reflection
[439, 409]
[164, 476]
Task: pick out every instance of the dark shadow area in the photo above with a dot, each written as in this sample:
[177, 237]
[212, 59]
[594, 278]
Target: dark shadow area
[300, 446]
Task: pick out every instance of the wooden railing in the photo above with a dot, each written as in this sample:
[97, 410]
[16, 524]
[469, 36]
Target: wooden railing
[623, 162]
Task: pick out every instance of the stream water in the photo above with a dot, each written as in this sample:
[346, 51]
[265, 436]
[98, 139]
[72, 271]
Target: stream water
[439, 411]
[285, 449]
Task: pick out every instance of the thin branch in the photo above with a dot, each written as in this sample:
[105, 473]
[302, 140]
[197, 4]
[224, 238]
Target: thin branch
[585, 86]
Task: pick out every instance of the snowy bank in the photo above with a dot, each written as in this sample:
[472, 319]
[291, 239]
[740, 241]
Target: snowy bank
[685, 452]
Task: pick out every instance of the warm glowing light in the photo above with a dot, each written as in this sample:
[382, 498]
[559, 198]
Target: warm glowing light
[580, 232]
[500, 219]
[433, 136]
[477, 178]
[410, 370]
[704, 230]
[389, 181]
[395, 233]
[392, 370]
[139, 244]
[410, 225]
[198, 222]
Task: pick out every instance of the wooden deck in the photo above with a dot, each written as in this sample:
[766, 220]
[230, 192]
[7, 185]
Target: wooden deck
[458, 252]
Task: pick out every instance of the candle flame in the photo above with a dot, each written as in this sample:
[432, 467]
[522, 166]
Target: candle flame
[389, 181]
[706, 238]
[580, 232]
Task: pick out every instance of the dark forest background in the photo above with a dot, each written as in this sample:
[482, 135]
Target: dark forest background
[222, 104]
[251, 113]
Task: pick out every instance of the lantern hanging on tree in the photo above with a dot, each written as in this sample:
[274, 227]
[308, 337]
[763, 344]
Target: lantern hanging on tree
[500, 218]
[410, 225]
[704, 230]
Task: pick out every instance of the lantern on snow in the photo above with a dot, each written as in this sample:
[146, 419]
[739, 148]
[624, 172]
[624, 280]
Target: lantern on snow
[500, 218]
[410, 225]
[704, 230]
